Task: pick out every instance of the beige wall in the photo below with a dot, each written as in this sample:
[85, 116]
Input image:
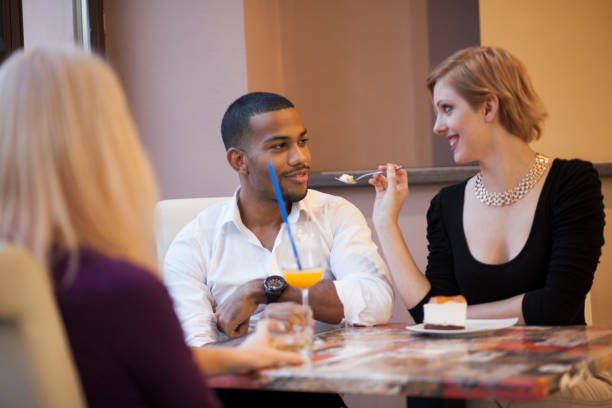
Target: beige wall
[47, 22]
[182, 67]
[355, 70]
[567, 47]
[182, 63]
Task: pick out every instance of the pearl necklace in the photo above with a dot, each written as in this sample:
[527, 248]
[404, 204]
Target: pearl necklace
[512, 195]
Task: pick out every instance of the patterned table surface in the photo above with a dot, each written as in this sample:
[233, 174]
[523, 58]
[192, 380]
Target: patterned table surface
[523, 363]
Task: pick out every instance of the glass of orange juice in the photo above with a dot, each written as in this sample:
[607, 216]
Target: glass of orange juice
[311, 267]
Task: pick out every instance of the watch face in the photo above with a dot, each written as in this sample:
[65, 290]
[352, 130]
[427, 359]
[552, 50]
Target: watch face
[275, 283]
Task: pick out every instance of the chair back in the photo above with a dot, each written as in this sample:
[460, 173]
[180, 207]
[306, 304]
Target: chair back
[37, 366]
[172, 215]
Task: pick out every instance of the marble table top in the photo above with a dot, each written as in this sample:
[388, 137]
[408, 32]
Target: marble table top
[519, 362]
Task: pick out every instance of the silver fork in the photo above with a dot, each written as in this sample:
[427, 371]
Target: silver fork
[350, 179]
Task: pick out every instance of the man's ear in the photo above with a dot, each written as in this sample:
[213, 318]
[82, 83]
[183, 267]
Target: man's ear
[237, 158]
[491, 108]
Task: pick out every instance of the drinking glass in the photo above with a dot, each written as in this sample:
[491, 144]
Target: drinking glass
[308, 245]
[291, 331]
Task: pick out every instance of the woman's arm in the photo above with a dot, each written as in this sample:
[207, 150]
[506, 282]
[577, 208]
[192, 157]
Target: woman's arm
[577, 224]
[254, 353]
[501, 309]
[391, 192]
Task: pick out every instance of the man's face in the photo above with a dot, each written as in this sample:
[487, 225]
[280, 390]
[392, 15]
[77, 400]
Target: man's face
[278, 137]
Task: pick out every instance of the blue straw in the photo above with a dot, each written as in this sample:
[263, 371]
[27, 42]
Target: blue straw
[283, 210]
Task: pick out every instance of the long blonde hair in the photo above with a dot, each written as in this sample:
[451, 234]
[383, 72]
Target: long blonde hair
[73, 172]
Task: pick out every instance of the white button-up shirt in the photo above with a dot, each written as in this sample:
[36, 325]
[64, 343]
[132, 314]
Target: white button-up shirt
[215, 253]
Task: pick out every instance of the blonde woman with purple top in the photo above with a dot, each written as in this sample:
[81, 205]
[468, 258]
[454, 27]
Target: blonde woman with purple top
[76, 188]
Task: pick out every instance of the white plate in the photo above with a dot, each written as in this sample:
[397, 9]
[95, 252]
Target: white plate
[471, 326]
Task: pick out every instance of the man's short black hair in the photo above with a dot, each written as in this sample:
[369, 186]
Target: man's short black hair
[235, 123]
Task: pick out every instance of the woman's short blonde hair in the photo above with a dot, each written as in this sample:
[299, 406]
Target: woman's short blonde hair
[476, 73]
[73, 172]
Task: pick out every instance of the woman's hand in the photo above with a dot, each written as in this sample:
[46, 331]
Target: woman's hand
[391, 192]
[259, 352]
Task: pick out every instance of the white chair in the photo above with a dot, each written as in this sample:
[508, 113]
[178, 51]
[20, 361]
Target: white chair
[172, 215]
[37, 367]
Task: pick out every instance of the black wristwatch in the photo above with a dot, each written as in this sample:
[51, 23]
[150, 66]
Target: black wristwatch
[273, 287]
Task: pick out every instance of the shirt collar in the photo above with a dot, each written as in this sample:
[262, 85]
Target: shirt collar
[300, 210]
[232, 212]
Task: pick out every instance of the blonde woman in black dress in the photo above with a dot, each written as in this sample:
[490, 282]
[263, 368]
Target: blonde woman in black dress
[523, 237]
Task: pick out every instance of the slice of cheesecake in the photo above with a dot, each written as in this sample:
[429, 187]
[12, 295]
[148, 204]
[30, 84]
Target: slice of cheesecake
[445, 313]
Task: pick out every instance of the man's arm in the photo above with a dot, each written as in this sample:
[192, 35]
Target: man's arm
[184, 274]
[322, 298]
[362, 279]
[324, 301]
[233, 315]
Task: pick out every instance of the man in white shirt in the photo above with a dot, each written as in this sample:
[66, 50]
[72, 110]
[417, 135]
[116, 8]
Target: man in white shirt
[218, 268]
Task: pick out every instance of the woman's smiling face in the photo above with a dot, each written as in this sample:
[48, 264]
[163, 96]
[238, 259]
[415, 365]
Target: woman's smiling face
[462, 125]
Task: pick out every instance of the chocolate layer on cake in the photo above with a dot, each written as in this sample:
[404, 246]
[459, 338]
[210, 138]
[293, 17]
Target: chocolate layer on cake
[442, 327]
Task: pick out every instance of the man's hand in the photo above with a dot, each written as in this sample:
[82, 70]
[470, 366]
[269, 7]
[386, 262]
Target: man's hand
[234, 314]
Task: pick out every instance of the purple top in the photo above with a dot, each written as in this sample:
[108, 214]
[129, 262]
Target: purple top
[125, 338]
